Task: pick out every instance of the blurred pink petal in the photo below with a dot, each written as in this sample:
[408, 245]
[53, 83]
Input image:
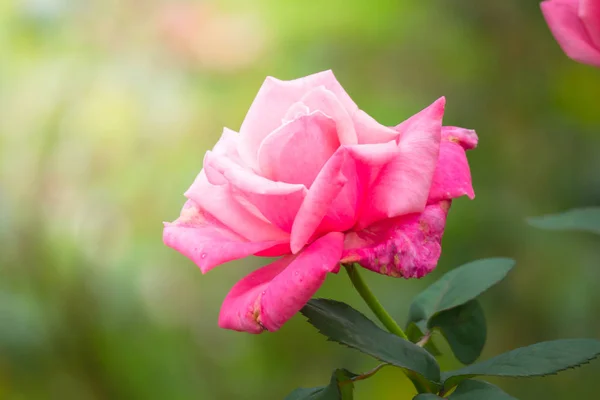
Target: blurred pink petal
[452, 177]
[402, 186]
[571, 32]
[407, 246]
[206, 36]
[271, 295]
[271, 104]
[206, 241]
[589, 12]
[283, 154]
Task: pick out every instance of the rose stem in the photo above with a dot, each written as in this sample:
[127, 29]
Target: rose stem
[365, 292]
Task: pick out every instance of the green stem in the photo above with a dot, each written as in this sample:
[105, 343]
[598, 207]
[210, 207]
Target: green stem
[364, 376]
[369, 373]
[365, 292]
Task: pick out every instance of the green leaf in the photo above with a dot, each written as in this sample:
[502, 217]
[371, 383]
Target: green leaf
[345, 383]
[478, 390]
[343, 324]
[310, 394]
[427, 396]
[414, 333]
[578, 219]
[464, 328]
[540, 359]
[334, 391]
[459, 286]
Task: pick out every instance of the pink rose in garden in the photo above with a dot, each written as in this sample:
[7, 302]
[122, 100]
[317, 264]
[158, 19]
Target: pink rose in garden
[314, 180]
[576, 26]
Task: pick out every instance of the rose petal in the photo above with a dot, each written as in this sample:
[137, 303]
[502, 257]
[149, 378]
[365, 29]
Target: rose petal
[373, 155]
[452, 177]
[220, 202]
[369, 131]
[294, 112]
[324, 190]
[296, 151]
[402, 186]
[570, 33]
[207, 242]
[271, 295]
[467, 138]
[589, 12]
[325, 101]
[272, 102]
[228, 145]
[281, 249]
[334, 201]
[360, 169]
[407, 246]
[278, 202]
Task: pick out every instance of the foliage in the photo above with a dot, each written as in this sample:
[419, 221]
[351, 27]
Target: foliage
[450, 305]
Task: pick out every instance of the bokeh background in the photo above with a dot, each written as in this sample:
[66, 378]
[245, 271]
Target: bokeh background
[107, 108]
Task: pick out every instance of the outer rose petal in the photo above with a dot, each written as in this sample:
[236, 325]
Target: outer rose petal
[407, 246]
[569, 31]
[271, 295]
[278, 202]
[206, 241]
[402, 186]
[273, 100]
[296, 151]
[452, 177]
[220, 202]
[467, 138]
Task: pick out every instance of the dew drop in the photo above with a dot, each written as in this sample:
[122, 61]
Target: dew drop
[203, 255]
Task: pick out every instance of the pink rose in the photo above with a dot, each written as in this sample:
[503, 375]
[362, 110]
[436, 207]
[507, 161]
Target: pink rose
[576, 26]
[315, 180]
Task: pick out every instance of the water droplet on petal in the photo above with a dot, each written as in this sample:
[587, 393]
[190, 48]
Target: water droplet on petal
[203, 255]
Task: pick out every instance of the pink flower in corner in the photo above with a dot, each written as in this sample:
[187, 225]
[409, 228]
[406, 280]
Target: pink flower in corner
[314, 180]
[576, 27]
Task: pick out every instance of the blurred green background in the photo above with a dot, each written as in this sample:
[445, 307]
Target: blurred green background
[107, 108]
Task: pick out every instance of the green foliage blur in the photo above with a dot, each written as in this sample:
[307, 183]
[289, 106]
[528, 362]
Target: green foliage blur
[107, 108]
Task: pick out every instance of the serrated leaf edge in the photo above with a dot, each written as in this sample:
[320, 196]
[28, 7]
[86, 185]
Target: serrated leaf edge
[358, 350]
[445, 377]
